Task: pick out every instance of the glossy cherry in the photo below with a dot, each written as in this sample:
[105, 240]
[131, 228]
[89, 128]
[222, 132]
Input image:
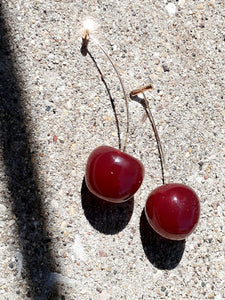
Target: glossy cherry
[113, 175]
[173, 210]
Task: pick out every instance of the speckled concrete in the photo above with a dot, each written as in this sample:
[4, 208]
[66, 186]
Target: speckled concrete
[57, 241]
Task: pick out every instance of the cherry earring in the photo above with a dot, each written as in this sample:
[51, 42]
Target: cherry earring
[111, 174]
[172, 209]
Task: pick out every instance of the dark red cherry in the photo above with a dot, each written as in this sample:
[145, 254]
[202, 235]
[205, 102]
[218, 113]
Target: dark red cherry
[113, 175]
[173, 210]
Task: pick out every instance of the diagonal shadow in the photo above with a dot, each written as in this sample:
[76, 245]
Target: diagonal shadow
[22, 184]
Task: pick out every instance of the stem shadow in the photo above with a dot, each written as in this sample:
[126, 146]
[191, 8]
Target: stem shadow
[164, 254]
[106, 217]
[110, 98]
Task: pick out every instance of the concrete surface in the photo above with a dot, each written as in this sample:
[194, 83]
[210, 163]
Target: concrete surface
[57, 241]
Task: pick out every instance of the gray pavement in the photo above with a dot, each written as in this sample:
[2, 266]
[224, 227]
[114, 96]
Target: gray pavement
[57, 241]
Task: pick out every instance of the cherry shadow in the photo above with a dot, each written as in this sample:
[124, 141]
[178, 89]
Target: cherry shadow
[164, 254]
[106, 217]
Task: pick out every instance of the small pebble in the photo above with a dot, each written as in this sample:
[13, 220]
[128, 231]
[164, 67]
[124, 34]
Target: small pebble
[104, 295]
[78, 249]
[102, 254]
[72, 210]
[181, 3]
[54, 204]
[63, 225]
[11, 222]
[66, 233]
[69, 105]
[165, 68]
[202, 24]
[98, 289]
[3, 209]
[200, 165]
[108, 269]
[171, 9]
[55, 138]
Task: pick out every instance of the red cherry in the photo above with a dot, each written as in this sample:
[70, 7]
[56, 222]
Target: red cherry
[113, 175]
[173, 210]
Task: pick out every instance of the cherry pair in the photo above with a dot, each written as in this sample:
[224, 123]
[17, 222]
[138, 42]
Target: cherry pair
[171, 209]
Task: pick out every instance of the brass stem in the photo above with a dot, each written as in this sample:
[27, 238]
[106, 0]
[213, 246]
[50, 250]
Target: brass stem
[134, 93]
[123, 89]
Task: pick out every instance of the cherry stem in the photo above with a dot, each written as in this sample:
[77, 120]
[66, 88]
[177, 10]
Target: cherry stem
[110, 97]
[123, 89]
[145, 104]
